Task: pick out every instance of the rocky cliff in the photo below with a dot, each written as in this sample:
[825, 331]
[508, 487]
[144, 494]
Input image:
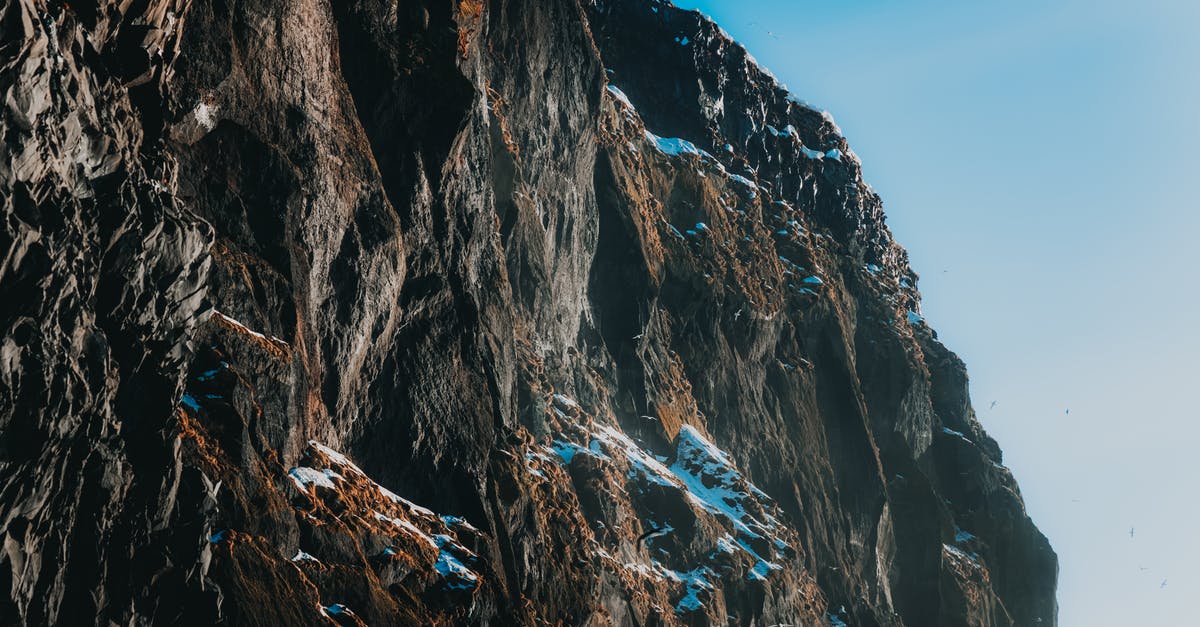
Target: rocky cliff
[472, 312]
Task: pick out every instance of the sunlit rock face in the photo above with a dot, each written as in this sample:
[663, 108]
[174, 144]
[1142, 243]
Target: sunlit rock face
[508, 312]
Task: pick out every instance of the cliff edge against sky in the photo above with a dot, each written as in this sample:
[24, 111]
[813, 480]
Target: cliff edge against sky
[506, 312]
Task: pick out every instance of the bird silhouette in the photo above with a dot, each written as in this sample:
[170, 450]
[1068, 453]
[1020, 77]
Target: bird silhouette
[993, 405]
[654, 533]
[1131, 532]
[1162, 585]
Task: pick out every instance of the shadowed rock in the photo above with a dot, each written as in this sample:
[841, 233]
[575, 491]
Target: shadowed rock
[433, 312]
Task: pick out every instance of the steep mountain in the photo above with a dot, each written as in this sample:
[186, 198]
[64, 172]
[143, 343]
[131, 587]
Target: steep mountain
[430, 312]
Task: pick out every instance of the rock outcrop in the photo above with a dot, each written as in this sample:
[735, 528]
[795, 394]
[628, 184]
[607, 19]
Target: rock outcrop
[465, 312]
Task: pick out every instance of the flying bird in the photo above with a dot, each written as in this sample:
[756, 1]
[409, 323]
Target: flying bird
[654, 532]
[1068, 412]
[993, 405]
[737, 314]
[1131, 532]
[1162, 585]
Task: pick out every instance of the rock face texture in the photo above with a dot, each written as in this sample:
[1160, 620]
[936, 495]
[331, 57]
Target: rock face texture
[465, 312]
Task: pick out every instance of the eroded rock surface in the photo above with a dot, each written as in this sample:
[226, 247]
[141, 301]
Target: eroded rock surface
[433, 312]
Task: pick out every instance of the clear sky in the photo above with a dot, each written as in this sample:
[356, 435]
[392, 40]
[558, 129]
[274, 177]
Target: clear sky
[1039, 162]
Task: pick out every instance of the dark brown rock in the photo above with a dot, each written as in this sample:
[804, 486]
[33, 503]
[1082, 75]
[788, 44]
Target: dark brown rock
[609, 324]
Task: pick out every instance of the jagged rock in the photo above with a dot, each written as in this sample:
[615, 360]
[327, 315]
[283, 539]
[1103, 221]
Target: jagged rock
[581, 276]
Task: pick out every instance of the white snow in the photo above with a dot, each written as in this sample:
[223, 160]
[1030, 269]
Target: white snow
[336, 457]
[345, 463]
[452, 568]
[456, 521]
[565, 401]
[698, 464]
[959, 555]
[191, 402]
[676, 146]
[338, 608]
[743, 180]
[914, 318]
[449, 563]
[829, 120]
[204, 114]
[408, 527]
[412, 507]
[957, 434]
[566, 450]
[707, 478]
[301, 556]
[620, 95]
[243, 328]
[207, 375]
[642, 463]
[304, 476]
[761, 570]
[813, 280]
[796, 100]
[725, 544]
[788, 131]
[812, 154]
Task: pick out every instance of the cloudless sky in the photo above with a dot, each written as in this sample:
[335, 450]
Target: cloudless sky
[1039, 162]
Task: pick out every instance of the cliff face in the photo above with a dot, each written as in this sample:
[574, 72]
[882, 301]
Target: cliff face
[505, 312]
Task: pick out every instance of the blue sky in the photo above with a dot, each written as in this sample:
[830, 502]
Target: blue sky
[1038, 160]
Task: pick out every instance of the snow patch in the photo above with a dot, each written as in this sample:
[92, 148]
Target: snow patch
[337, 608]
[205, 115]
[676, 146]
[451, 568]
[957, 434]
[304, 477]
[620, 96]
[243, 328]
[301, 556]
[191, 402]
